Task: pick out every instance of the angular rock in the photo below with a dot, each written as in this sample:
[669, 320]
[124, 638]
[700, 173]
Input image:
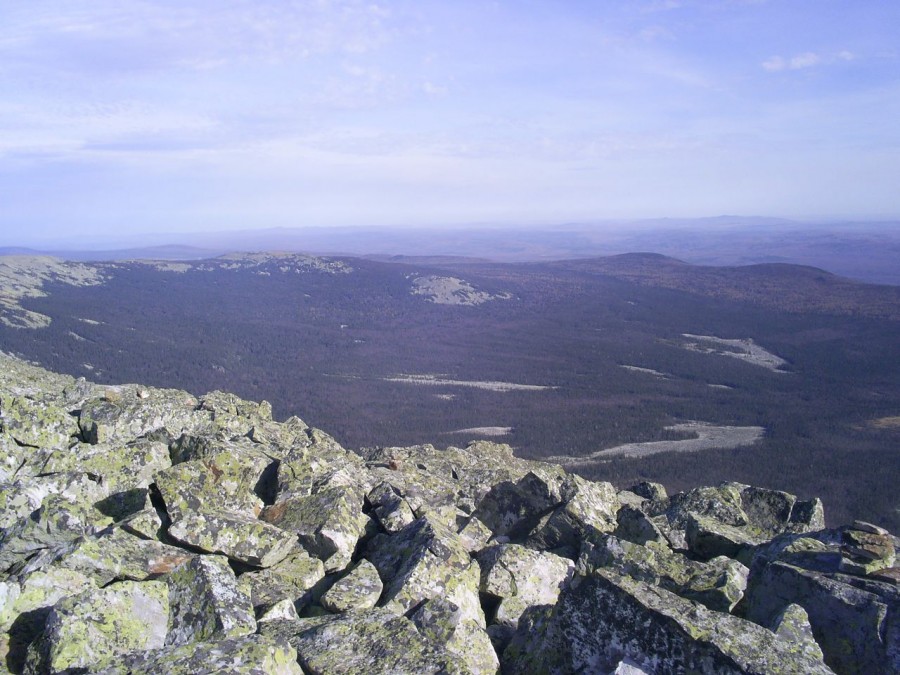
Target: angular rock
[442, 623]
[128, 412]
[36, 424]
[858, 629]
[292, 579]
[283, 610]
[99, 625]
[633, 525]
[247, 655]
[391, 510]
[474, 535]
[374, 642]
[654, 492]
[224, 482]
[22, 497]
[513, 510]
[117, 555]
[710, 538]
[607, 618]
[792, 626]
[328, 523]
[426, 560]
[360, 589]
[521, 578]
[206, 604]
[241, 537]
[588, 511]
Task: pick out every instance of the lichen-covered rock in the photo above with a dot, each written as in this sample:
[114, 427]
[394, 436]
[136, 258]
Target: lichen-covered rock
[314, 464]
[606, 618]
[441, 622]
[718, 584]
[36, 424]
[283, 610]
[117, 555]
[233, 415]
[223, 482]
[99, 625]
[426, 560]
[22, 497]
[709, 538]
[512, 510]
[521, 578]
[633, 525]
[792, 626]
[205, 602]
[391, 510]
[128, 412]
[246, 655]
[292, 578]
[241, 537]
[649, 491]
[857, 628]
[328, 523]
[588, 511]
[374, 642]
[474, 534]
[360, 589]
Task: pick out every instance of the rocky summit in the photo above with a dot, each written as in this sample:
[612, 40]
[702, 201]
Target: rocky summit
[147, 530]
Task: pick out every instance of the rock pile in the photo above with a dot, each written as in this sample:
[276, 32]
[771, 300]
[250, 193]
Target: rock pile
[148, 531]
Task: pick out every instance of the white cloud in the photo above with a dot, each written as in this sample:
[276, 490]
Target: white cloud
[774, 64]
[805, 60]
[777, 63]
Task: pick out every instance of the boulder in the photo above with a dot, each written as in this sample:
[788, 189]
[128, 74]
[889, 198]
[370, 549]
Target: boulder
[328, 523]
[607, 618]
[391, 510]
[442, 623]
[127, 412]
[246, 655]
[360, 589]
[205, 602]
[858, 629]
[588, 511]
[292, 578]
[426, 560]
[374, 642]
[519, 578]
[241, 537]
[99, 625]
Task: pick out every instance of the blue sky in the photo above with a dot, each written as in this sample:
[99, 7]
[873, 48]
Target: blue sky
[198, 115]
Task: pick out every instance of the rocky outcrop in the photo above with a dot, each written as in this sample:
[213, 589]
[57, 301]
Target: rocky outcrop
[147, 530]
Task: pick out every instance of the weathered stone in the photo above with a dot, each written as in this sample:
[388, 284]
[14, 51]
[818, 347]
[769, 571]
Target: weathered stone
[722, 503]
[328, 523]
[390, 508]
[863, 526]
[224, 482]
[709, 538]
[426, 560]
[513, 510]
[857, 629]
[205, 602]
[633, 525]
[588, 511]
[99, 625]
[146, 523]
[360, 589]
[246, 655]
[520, 578]
[292, 579]
[123, 414]
[314, 464]
[718, 584]
[241, 537]
[117, 555]
[654, 492]
[474, 535]
[36, 424]
[283, 610]
[792, 626]
[868, 545]
[441, 622]
[607, 618]
[374, 642]
[22, 497]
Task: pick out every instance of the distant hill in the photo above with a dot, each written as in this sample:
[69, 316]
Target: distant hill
[769, 374]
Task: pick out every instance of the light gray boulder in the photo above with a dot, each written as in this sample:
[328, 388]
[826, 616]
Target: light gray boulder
[292, 578]
[205, 602]
[359, 589]
[442, 623]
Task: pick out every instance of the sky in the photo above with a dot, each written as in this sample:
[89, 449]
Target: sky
[145, 116]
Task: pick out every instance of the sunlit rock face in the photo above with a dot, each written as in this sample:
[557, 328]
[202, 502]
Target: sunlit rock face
[147, 530]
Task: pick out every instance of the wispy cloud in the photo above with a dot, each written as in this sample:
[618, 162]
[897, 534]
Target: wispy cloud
[805, 60]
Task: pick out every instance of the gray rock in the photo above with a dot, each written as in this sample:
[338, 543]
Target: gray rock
[607, 618]
[520, 578]
[360, 589]
[792, 626]
[442, 623]
[710, 538]
[205, 603]
[374, 642]
[242, 538]
[858, 629]
[293, 578]
[633, 525]
[247, 655]
[426, 560]
[98, 625]
[328, 523]
[391, 510]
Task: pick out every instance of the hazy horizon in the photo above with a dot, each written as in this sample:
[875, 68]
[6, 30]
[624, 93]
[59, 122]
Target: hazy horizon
[152, 118]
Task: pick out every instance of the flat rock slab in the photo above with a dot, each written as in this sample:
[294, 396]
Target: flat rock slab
[375, 642]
